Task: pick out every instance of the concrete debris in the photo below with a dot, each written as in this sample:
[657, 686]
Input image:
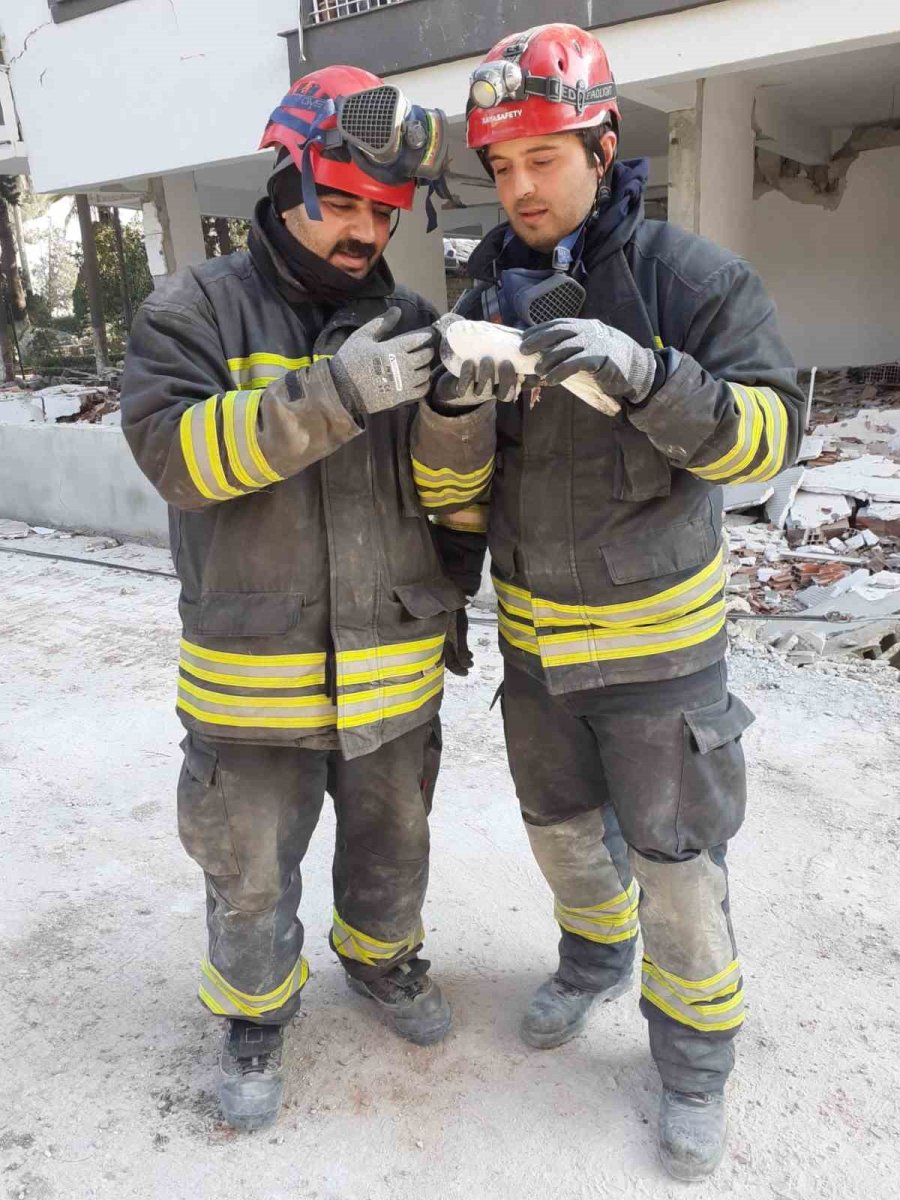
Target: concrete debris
[824, 546]
[741, 496]
[60, 403]
[14, 529]
[786, 487]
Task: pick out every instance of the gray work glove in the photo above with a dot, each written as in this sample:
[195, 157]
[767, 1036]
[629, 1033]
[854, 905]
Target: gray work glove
[570, 345]
[376, 373]
[475, 385]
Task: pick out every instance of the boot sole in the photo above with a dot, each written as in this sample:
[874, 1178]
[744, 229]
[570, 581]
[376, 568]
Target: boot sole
[419, 1037]
[550, 1040]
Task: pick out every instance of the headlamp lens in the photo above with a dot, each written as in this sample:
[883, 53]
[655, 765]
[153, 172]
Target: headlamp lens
[485, 93]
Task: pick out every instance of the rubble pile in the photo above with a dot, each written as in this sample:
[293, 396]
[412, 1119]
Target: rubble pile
[87, 400]
[817, 550]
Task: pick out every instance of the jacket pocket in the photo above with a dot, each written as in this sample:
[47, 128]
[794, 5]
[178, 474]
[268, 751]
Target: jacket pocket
[641, 472]
[661, 551]
[430, 597]
[713, 784]
[202, 816]
[248, 614]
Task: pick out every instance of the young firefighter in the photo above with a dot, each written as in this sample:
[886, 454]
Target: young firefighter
[605, 534]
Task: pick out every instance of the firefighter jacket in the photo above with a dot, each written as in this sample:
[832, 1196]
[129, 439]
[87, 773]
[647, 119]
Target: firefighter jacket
[605, 533]
[313, 602]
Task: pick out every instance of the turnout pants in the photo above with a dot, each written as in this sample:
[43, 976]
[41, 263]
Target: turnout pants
[629, 796]
[246, 814]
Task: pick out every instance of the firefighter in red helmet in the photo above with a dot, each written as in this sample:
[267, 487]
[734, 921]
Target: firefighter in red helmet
[605, 533]
[268, 396]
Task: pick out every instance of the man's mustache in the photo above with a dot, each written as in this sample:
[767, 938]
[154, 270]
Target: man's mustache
[356, 249]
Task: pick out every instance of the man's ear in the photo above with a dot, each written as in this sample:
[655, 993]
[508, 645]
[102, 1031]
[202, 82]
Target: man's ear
[608, 144]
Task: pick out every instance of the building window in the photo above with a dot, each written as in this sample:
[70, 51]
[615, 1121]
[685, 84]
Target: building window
[66, 10]
[334, 10]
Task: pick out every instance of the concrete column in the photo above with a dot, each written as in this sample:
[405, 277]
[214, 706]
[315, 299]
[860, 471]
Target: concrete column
[711, 162]
[416, 257]
[172, 228]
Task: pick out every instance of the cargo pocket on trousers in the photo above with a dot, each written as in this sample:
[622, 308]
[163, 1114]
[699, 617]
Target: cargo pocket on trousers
[202, 815]
[713, 781]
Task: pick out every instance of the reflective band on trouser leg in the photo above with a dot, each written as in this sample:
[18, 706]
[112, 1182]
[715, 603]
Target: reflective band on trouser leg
[352, 943]
[690, 970]
[226, 1001]
[473, 519]
[591, 898]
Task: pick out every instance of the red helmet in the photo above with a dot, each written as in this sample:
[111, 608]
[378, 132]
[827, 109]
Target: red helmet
[550, 79]
[308, 109]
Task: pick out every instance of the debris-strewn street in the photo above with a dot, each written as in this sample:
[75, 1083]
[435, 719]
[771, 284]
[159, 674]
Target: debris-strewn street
[109, 1061]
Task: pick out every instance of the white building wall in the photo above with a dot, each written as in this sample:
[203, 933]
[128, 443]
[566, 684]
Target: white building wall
[835, 276]
[144, 87]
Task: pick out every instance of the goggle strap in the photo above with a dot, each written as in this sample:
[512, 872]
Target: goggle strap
[310, 197]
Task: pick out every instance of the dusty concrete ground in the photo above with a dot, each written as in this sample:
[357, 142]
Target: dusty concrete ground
[108, 1061]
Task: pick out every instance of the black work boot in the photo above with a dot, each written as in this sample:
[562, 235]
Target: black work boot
[691, 1133]
[558, 1010]
[251, 1082]
[411, 999]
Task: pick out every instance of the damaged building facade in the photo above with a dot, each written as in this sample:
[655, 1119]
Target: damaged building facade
[772, 126]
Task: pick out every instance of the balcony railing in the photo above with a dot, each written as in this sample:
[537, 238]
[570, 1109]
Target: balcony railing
[320, 11]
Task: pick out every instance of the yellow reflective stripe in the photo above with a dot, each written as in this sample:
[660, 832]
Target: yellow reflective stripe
[190, 458]
[292, 722]
[268, 660]
[234, 424]
[658, 342]
[431, 477]
[433, 683]
[683, 1013]
[261, 681]
[712, 574]
[389, 651]
[234, 458]
[242, 701]
[268, 360]
[639, 643]
[390, 670]
[252, 408]
[508, 596]
[518, 635]
[744, 448]
[354, 944]
[776, 435]
[696, 985]
[211, 434]
[224, 999]
[614, 920]
[467, 520]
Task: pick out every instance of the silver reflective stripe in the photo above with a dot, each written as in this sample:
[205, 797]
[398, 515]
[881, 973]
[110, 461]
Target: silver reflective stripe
[708, 1009]
[352, 943]
[199, 435]
[274, 671]
[304, 712]
[595, 646]
[380, 703]
[615, 920]
[248, 464]
[776, 434]
[521, 636]
[383, 662]
[259, 370]
[670, 603]
[221, 998]
[746, 447]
